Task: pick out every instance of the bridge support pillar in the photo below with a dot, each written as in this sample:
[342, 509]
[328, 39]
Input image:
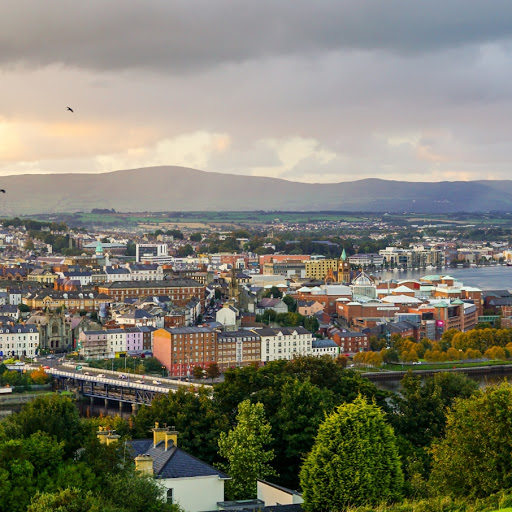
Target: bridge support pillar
[120, 406]
[91, 399]
[106, 402]
[135, 408]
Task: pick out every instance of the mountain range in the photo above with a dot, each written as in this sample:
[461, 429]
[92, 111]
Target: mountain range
[170, 188]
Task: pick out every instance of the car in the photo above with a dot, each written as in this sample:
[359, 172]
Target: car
[123, 377]
[101, 375]
[46, 367]
[50, 357]
[139, 382]
[87, 373]
[156, 382]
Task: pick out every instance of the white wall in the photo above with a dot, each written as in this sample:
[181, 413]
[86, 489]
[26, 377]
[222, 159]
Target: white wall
[196, 494]
[273, 496]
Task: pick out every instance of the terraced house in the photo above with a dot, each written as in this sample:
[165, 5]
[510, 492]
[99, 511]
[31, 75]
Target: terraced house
[18, 340]
[180, 291]
[73, 301]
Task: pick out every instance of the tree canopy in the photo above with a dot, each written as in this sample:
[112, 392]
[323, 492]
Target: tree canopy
[246, 449]
[354, 460]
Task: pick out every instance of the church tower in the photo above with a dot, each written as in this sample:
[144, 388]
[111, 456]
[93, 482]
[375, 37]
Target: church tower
[234, 291]
[343, 268]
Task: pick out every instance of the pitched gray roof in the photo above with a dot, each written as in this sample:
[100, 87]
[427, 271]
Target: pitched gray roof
[173, 463]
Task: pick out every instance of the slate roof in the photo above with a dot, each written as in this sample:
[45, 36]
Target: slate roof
[173, 463]
[323, 344]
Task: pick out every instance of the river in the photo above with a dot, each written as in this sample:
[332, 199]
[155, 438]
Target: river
[496, 277]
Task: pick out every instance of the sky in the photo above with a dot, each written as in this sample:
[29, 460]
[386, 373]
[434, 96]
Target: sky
[312, 91]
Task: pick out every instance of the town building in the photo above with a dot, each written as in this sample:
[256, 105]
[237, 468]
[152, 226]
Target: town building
[152, 253]
[325, 347]
[238, 348]
[284, 343]
[185, 480]
[17, 340]
[180, 349]
[179, 291]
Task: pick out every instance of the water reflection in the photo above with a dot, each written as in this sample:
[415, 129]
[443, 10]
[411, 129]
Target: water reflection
[88, 410]
[482, 380]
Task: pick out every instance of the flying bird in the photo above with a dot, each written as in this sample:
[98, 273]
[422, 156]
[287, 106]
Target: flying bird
[2, 190]
[70, 109]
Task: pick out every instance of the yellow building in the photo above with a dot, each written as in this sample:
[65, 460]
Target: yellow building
[72, 301]
[333, 270]
[318, 269]
[43, 276]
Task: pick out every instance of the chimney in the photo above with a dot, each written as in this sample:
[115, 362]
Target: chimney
[102, 434]
[171, 438]
[144, 464]
[159, 433]
[112, 438]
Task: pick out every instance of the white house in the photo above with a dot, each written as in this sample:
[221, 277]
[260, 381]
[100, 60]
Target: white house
[270, 303]
[84, 278]
[117, 274]
[18, 340]
[325, 348]
[185, 480]
[284, 343]
[116, 341]
[227, 316]
[148, 272]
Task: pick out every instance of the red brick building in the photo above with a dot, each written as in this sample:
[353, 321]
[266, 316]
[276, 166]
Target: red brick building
[180, 349]
[350, 342]
[180, 291]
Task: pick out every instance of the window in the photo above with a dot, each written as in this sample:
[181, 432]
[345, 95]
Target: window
[169, 495]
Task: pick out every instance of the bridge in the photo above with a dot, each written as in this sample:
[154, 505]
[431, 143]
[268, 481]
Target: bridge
[115, 386]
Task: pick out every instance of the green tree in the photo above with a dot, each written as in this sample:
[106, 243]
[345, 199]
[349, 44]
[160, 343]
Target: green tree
[354, 460]
[23, 308]
[244, 447]
[195, 416]
[54, 415]
[273, 292]
[420, 409]
[131, 248]
[301, 410]
[291, 303]
[196, 237]
[186, 250]
[212, 371]
[65, 500]
[176, 233]
[311, 323]
[475, 457]
[198, 372]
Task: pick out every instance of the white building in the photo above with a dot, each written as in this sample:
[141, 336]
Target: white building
[227, 316]
[18, 340]
[152, 253]
[284, 343]
[325, 348]
[192, 484]
[116, 341]
[148, 272]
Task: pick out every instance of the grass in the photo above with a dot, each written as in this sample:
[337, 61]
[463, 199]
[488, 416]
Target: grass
[441, 366]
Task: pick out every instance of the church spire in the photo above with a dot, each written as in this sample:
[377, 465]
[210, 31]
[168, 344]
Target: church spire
[343, 255]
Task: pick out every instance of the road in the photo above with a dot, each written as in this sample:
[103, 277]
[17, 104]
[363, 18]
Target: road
[112, 377]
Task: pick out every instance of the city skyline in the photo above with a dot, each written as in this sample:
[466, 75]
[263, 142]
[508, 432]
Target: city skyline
[299, 91]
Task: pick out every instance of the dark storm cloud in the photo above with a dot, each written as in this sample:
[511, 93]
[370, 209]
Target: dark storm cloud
[177, 35]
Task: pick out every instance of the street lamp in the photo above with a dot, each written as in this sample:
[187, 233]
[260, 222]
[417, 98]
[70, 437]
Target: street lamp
[163, 371]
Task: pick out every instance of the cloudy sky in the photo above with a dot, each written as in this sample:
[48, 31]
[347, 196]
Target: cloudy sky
[314, 91]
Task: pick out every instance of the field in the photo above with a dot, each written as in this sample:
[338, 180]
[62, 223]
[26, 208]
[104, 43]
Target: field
[233, 220]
